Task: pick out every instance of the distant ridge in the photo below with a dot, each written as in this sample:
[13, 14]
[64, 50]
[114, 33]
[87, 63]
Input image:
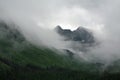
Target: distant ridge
[81, 34]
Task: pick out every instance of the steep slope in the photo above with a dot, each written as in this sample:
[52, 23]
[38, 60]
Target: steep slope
[15, 48]
[21, 60]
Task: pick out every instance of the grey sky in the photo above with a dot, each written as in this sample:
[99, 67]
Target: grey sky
[49, 13]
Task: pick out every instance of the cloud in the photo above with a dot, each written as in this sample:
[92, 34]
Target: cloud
[51, 13]
[39, 16]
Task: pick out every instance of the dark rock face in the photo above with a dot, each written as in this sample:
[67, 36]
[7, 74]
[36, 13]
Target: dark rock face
[80, 34]
[64, 32]
[70, 53]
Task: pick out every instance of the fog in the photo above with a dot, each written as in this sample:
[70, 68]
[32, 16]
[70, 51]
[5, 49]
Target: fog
[37, 19]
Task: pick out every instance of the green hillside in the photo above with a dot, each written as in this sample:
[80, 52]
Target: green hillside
[21, 60]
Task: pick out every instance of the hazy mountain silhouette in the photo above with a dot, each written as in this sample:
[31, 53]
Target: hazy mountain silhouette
[80, 34]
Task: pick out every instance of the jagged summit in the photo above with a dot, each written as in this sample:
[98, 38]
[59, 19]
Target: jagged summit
[81, 34]
[81, 29]
[58, 27]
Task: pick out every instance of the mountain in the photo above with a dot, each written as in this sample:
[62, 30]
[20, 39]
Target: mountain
[21, 60]
[15, 48]
[80, 34]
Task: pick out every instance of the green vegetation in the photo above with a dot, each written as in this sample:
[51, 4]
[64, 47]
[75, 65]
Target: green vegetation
[20, 60]
[32, 63]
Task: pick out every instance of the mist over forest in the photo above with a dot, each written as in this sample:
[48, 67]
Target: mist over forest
[53, 38]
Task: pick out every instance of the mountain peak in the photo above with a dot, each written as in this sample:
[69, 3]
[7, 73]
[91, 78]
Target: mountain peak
[80, 34]
[58, 27]
[80, 29]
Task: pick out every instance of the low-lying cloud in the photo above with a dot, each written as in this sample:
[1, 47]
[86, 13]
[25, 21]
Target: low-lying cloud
[37, 18]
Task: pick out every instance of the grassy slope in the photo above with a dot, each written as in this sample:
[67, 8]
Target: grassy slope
[20, 60]
[33, 63]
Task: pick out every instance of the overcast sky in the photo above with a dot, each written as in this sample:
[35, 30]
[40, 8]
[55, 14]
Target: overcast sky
[49, 13]
[67, 13]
